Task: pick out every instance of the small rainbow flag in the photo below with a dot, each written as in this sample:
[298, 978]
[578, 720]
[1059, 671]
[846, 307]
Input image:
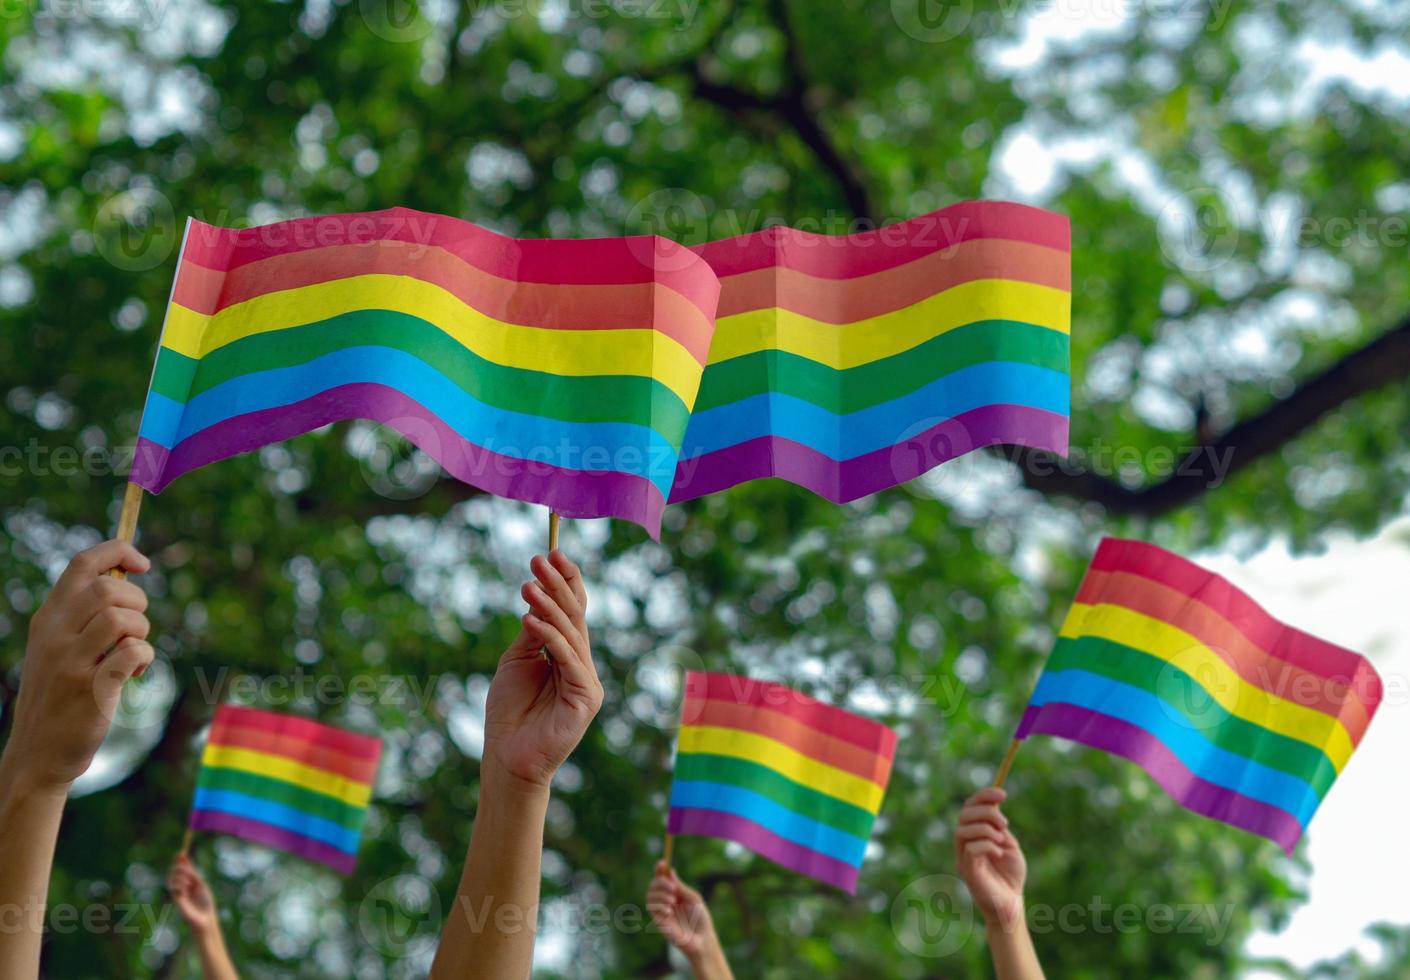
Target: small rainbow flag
[287, 782]
[851, 364]
[792, 779]
[1237, 715]
[560, 372]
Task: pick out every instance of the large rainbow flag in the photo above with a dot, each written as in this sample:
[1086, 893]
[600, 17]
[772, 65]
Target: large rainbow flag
[1238, 716]
[560, 372]
[851, 364]
[287, 782]
[795, 780]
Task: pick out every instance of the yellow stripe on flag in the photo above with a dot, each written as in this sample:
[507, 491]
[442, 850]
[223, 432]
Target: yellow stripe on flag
[738, 744]
[568, 352]
[842, 346]
[287, 770]
[1213, 673]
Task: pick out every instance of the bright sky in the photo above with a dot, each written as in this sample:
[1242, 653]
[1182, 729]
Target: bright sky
[1351, 595]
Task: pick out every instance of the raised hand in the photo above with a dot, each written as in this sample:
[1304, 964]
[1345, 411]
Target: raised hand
[989, 858]
[544, 694]
[197, 906]
[539, 706]
[192, 895]
[681, 914]
[86, 640]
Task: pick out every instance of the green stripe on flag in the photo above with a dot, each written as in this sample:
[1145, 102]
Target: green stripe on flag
[1193, 707]
[278, 791]
[703, 767]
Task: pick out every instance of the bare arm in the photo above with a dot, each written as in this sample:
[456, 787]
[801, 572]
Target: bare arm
[86, 640]
[992, 865]
[537, 711]
[196, 903]
[684, 919]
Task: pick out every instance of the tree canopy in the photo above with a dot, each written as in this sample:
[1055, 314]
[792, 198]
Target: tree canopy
[1239, 208]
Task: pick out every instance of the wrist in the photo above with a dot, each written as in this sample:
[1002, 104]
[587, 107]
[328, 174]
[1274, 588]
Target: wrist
[206, 930]
[705, 954]
[21, 782]
[1006, 919]
[501, 786]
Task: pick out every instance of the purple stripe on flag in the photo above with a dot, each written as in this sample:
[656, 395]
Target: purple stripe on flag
[570, 492]
[284, 840]
[764, 842]
[1121, 738]
[841, 481]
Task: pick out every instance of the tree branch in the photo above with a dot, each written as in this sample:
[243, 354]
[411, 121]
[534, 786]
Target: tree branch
[1381, 362]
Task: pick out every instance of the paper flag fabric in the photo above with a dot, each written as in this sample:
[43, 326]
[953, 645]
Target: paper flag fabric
[1237, 715]
[792, 779]
[287, 782]
[851, 364]
[560, 372]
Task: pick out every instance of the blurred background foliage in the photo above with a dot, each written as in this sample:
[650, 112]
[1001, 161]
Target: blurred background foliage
[1234, 193]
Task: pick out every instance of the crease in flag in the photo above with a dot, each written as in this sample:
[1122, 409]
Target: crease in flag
[792, 779]
[286, 782]
[1238, 716]
[559, 372]
[850, 364]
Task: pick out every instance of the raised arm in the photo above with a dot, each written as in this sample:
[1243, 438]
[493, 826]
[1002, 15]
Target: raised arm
[992, 865]
[86, 640]
[196, 904]
[537, 710]
[681, 914]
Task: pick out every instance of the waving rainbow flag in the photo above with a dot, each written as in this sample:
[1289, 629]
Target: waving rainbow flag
[286, 782]
[851, 364]
[554, 371]
[1238, 716]
[792, 779]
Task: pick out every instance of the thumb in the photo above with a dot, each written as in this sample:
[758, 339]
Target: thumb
[130, 657]
[522, 646]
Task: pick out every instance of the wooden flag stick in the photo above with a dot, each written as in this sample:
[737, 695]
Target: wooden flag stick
[552, 545]
[186, 842]
[127, 520]
[669, 850]
[1006, 765]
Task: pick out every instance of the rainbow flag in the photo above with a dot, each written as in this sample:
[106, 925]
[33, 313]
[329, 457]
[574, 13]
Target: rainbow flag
[553, 371]
[792, 779]
[286, 782]
[851, 364]
[1238, 716]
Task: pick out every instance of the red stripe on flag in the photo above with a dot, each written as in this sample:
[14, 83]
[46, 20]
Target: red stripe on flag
[701, 687]
[293, 727]
[1280, 640]
[300, 750]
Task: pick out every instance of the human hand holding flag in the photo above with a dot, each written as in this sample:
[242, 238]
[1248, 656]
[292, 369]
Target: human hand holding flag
[537, 711]
[683, 917]
[993, 867]
[539, 707]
